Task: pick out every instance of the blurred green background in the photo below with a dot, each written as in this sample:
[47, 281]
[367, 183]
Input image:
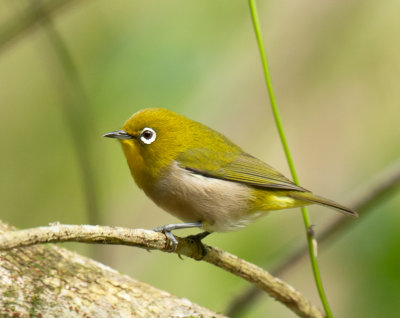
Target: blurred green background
[335, 67]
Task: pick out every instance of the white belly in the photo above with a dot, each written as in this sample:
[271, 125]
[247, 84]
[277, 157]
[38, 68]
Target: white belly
[221, 205]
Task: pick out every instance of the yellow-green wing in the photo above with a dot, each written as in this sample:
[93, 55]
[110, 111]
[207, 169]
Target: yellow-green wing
[237, 166]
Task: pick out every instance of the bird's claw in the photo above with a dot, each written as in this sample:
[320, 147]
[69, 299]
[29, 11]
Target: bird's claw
[173, 240]
[165, 229]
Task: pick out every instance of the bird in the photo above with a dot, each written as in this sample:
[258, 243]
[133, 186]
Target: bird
[203, 178]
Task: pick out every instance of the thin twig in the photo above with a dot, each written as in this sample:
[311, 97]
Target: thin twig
[76, 111]
[380, 187]
[25, 21]
[276, 288]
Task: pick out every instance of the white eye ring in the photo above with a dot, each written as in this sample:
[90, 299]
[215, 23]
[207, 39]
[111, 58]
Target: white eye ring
[148, 135]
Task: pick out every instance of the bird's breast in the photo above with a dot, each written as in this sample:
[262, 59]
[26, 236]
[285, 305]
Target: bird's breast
[221, 205]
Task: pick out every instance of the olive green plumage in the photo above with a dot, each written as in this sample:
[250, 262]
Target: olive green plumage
[199, 175]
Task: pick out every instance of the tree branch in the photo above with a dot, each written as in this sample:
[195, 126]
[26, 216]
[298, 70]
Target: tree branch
[49, 281]
[276, 288]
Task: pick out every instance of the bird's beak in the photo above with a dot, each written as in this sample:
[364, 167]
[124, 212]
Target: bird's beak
[119, 134]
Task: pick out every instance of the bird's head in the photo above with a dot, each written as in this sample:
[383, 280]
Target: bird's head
[152, 139]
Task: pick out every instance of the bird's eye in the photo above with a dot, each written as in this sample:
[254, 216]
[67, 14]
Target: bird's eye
[148, 135]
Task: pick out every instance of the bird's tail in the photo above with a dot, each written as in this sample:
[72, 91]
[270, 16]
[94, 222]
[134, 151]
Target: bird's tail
[312, 198]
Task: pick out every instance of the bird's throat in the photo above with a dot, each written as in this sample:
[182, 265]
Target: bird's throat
[143, 174]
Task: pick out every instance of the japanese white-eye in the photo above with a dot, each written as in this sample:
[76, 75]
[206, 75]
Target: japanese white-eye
[203, 178]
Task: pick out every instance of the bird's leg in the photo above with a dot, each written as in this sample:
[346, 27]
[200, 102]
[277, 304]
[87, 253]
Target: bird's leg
[166, 229]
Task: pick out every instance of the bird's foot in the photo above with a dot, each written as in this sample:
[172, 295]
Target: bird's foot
[166, 229]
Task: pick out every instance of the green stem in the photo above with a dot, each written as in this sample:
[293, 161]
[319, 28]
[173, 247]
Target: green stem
[306, 218]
